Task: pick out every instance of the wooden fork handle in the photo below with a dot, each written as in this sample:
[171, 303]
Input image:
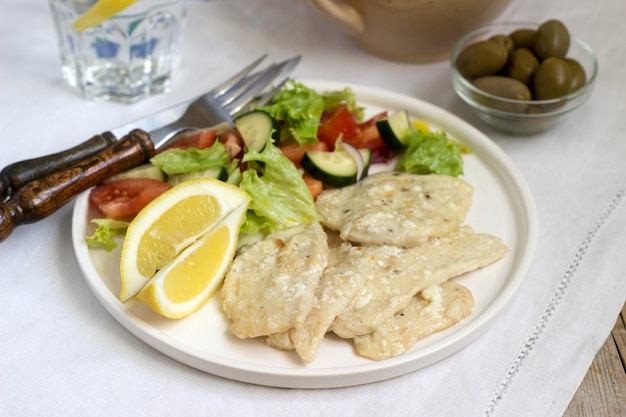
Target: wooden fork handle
[43, 196]
[14, 176]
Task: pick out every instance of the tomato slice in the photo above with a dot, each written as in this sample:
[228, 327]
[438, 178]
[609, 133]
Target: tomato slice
[314, 185]
[295, 152]
[368, 136]
[233, 142]
[123, 199]
[199, 140]
[341, 122]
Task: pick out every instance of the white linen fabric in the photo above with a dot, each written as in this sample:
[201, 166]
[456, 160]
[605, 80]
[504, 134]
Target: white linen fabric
[64, 355]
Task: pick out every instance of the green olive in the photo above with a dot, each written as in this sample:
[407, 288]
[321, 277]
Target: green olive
[522, 65]
[579, 78]
[506, 87]
[481, 58]
[506, 41]
[553, 79]
[552, 40]
[523, 38]
[501, 86]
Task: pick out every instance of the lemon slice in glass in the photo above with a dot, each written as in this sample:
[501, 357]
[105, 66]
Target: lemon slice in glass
[100, 12]
[178, 247]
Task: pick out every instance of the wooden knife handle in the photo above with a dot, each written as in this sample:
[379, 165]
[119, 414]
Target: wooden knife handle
[14, 176]
[42, 197]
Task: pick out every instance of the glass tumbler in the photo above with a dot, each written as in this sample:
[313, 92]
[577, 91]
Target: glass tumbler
[127, 57]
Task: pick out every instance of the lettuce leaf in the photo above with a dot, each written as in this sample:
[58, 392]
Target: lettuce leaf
[280, 197]
[299, 110]
[104, 235]
[432, 153]
[182, 161]
[234, 173]
[332, 99]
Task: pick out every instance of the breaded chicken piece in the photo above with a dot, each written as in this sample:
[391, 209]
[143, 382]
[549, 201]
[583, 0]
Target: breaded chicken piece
[270, 285]
[333, 293]
[280, 341]
[393, 208]
[435, 309]
[336, 290]
[394, 275]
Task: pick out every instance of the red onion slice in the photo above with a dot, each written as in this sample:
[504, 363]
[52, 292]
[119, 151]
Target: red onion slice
[358, 158]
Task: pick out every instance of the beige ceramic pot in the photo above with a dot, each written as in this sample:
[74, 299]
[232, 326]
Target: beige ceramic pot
[409, 30]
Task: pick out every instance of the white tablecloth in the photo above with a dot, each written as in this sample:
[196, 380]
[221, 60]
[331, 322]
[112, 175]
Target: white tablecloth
[62, 354]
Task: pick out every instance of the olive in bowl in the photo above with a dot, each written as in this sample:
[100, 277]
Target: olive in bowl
[522, 78]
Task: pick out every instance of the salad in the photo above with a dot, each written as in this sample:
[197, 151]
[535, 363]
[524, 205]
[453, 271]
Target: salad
[283, 154]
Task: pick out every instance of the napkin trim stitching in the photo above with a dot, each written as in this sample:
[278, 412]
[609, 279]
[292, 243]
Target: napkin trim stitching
[554, 302]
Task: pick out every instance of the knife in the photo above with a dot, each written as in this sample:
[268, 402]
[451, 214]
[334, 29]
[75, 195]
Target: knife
[42, 196]
[17, 174]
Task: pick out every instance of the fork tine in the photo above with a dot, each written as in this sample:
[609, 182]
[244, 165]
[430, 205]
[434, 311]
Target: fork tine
[265, 98]
[237, 78]
[257, 84]
[257, 78]
[240, 88]
[259, 100]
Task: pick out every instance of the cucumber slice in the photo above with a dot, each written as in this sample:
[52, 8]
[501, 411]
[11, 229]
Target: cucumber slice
[256, 128]
[337, 168]
[394, 128]
[219, 173]
[142, 171]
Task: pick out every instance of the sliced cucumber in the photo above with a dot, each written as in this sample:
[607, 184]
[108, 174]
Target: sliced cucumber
[256, 128]
[394, 128]
[219, 173]
[337, 168]
[142, 171]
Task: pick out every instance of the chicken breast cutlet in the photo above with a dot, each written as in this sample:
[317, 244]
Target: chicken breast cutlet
[270, 285]
[334, 292]
[337, 288]
[435, 309]
[393, 208]
[393, 275]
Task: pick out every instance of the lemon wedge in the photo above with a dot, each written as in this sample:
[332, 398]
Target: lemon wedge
[178, 247]
[100, 12]
[186, 284]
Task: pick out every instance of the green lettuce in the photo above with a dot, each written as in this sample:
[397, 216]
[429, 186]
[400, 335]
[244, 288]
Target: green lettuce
[280, 197]
[332, 99]
[298, 109]
[182, 161]
[104, 235]
[432, 153]
[234, 173]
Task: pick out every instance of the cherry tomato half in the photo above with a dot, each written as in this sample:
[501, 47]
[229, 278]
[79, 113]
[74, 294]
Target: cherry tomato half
[123, 199]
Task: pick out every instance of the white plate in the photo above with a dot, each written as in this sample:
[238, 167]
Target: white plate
[503, 206]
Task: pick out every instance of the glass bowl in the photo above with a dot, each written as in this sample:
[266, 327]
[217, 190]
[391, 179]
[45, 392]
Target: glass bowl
[520, 116]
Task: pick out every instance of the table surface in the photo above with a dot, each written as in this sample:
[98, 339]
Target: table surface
[603, 391]
[63, 354]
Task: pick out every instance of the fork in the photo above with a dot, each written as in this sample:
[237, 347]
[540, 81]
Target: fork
[43, 196]
[218, 104]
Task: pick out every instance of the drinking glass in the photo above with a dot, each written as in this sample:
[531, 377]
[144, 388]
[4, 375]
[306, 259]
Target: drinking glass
[126, 58]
